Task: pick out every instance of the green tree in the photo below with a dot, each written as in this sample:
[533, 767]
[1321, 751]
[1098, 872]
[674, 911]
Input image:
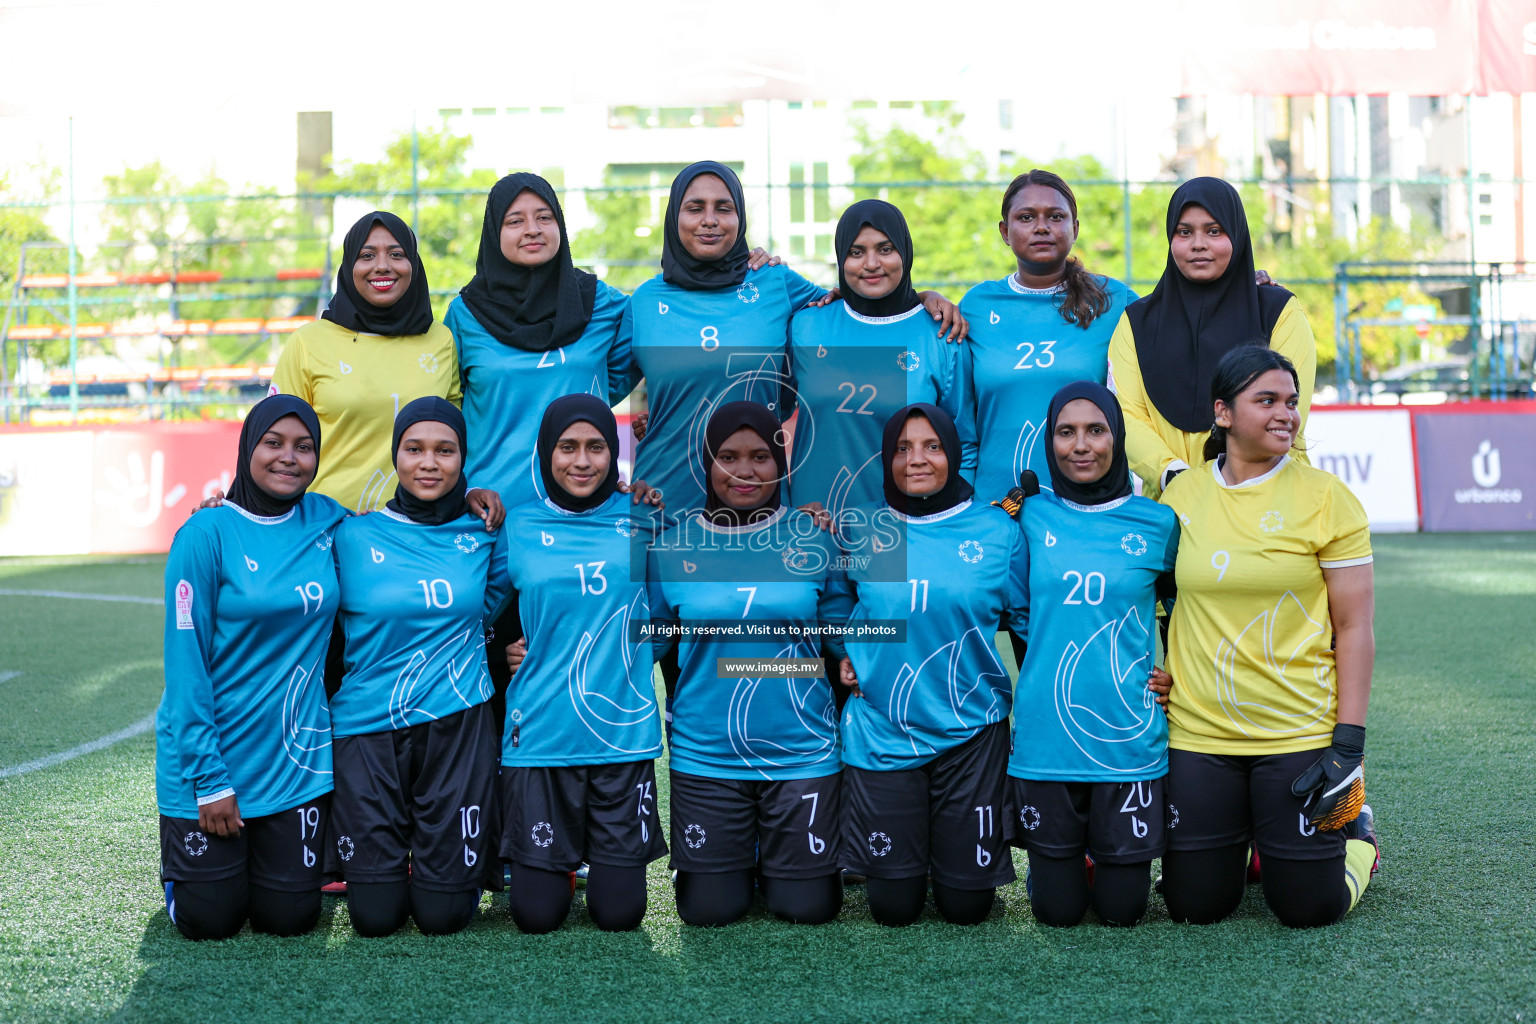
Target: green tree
[624, 246]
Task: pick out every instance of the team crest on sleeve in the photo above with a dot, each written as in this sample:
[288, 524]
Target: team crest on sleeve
[1134, 544]
[183, 605]
[428, 362]
[970, 551]
[747, 292]
[467, 543]
[1271, 521]
[908, 361]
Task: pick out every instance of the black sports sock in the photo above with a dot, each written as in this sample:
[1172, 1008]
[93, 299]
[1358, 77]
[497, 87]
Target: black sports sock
[963, 906]
[896, 902]
[804, 900]
[616, 897]
[274, 912]
[1205, 886]
[378, 908]
[214, 910]
[1120, 892]
[714, 899]
[1058, 889]
[541, 900]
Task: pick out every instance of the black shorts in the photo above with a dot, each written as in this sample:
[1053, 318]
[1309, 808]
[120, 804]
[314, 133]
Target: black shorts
[1221, 800]
[789, 828]
[282, 851]
[946, 818]
[422, 795]
[556, 819]
[1117, 822]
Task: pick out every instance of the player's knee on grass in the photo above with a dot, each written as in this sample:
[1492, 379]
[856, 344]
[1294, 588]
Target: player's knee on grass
[209, 910]
[1120, 892]
[541, 900]
[378, 908]
[804, 900]
[1204, 886]
[963, 906]
[1305, 893]
[443, 913]
[616, 897]
[896, 902]
[1058, 889]
[714, 899]
[283, 913]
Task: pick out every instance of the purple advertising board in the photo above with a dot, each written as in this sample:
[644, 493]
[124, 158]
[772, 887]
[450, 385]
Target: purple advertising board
[1477, 471]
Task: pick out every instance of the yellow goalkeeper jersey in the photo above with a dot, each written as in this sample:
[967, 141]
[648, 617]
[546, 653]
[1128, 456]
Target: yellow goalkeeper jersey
[1250, 645]
[357, 382]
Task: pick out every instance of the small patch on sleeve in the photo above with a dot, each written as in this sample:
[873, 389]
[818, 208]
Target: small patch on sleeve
[183, 605]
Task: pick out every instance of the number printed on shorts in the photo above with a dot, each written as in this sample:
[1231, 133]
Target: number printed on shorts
[983, 833]
[1137, 798]
[469, 828]
[646, 802]
[309, 828]
[817, 844]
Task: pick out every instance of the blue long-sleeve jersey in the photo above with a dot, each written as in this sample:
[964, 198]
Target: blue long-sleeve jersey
[584, 694]
[1020, 352]
[779, 580]
[506, 388]
[249, 603]
[954, 577]
[414, 602]
[699, 350]
[848, 375]
[1082, 711]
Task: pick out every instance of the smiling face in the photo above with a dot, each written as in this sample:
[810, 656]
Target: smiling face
[382, 272]
[744, 473]
[708, 221]
[1201, 248]
[873, 265]
[429, 459]
[1040, 229]
[580, 460]
[285, 459]
[921, 466]
[1261, 423]
[530, 235]
[1083, 444]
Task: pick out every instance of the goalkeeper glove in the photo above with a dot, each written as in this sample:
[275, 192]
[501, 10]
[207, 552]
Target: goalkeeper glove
[1334, 786]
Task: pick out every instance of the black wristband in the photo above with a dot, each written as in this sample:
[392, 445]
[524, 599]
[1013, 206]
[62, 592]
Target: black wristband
[1349, 739]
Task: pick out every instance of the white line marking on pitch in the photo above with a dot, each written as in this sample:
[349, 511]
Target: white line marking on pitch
[142, 725]
[127, 599]
[8, 675]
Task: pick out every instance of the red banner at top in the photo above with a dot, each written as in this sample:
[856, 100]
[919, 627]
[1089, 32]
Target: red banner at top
[1422, 47]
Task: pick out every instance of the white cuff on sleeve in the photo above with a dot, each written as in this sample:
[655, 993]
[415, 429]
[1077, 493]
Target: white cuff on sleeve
[213, 798]
[1176, 466]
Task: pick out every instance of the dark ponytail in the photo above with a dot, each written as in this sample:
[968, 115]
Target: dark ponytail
[1084, 297]
[1235, 374]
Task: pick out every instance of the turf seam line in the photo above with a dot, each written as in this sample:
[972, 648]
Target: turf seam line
[124, 598]
[142, 725]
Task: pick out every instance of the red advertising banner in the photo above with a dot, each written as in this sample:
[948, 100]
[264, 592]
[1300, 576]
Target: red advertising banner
[1422, 47]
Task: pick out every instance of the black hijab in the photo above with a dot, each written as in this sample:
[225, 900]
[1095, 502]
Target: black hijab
[452, 504]
[412, 314]
[728, 419]
[531, 308]
[887, 220]
[560, 415]
[955, 489]
[245, 492]
[1116, 483]
[682, 268]
[1183, 329]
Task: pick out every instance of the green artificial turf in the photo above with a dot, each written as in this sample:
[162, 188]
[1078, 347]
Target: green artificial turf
[1446, 932]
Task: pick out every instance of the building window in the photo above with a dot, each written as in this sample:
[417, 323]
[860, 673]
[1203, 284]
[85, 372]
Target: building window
[1005, 114]
[727, 115]
[797, 194]
[483, 111]
[821, 200]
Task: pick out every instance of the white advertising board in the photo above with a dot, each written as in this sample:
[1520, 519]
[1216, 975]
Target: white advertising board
[1371, 450]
